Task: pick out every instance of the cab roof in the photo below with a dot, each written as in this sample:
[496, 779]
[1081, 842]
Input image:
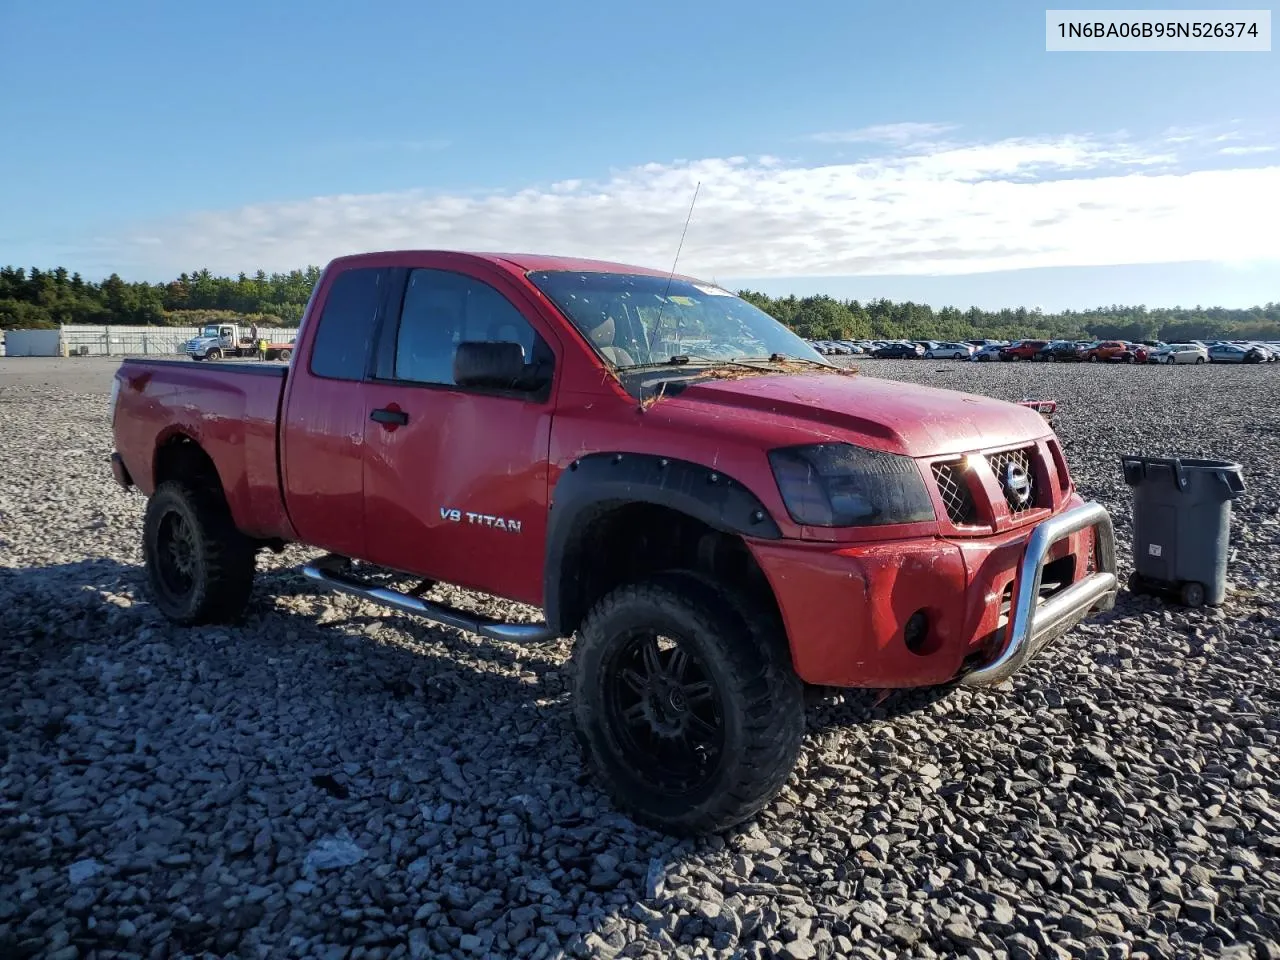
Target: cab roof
[519, 263]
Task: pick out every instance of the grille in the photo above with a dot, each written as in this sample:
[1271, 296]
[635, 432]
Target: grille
[1020, 459]
[956, 495]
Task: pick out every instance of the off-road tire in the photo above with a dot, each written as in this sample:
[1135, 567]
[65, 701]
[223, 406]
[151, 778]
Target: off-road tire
[743, 652]
[221, 559]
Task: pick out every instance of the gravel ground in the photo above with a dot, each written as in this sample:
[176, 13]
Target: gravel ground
[331, 779]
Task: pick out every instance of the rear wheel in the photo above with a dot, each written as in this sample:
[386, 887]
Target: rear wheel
[199, 566]
[688, 710]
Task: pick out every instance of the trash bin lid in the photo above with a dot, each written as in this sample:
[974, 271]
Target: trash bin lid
[1181, 468]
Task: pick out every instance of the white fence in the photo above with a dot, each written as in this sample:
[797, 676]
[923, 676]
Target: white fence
[114, 341]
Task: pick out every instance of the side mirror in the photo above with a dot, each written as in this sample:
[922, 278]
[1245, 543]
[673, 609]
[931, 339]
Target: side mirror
[496, 364]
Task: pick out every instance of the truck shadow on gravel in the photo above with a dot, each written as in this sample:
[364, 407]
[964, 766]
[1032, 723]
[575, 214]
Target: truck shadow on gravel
[828, 708]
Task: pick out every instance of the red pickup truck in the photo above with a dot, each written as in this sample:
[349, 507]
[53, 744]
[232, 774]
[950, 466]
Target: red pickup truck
[714, 512]
[1023, 350]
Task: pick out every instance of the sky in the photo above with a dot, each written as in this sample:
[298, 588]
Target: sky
[931, 151]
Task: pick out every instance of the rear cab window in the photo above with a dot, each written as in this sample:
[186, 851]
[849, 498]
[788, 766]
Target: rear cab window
[345, 328]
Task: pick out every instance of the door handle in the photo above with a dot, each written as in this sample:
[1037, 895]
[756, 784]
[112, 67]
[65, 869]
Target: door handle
[386, 415]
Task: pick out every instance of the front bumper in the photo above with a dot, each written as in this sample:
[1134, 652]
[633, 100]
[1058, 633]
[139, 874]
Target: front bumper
[1033, 623]
[846, 608]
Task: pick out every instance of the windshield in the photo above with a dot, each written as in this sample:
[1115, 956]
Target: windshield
[633, 319]
[210, 330]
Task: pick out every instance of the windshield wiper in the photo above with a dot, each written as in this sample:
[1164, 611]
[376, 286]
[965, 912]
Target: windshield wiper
[782, 358]
[684, 359]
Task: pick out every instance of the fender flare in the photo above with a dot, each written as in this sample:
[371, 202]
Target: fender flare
[597, 483]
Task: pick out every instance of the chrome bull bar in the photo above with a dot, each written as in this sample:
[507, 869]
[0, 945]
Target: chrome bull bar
[1034, 624]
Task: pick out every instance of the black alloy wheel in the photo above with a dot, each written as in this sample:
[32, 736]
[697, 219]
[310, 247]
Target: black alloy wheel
[665, 711]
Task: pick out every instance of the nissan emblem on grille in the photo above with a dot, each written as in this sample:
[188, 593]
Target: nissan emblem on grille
[1017, 482]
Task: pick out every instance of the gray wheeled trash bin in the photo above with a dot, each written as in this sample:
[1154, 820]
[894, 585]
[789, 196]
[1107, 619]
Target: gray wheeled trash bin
[1182, 525]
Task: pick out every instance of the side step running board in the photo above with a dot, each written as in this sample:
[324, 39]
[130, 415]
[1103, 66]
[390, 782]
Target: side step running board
[325, 572]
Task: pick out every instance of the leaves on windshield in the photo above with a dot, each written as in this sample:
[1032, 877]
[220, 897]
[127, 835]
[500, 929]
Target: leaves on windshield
[740, 370]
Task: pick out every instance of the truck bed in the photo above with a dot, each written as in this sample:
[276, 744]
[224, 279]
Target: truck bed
[230, 409]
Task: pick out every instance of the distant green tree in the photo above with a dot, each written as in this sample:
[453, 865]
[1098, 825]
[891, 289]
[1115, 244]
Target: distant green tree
[36, 297]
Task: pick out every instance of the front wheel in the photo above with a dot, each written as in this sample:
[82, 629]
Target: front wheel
[214, 354]
[199, 566]
[286, 354]
[689, 711]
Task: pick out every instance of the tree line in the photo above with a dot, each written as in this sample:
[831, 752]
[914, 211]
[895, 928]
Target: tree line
[826, 318]
[46, 298]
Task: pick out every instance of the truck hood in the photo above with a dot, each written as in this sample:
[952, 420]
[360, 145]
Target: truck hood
[885, 414]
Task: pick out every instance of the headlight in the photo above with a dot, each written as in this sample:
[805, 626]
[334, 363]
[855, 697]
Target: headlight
[840, 485]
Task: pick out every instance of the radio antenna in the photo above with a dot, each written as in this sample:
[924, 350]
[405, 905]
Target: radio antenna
[657, 324]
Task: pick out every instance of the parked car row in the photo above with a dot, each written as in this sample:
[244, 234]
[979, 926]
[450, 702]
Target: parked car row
[1060, 351]
[899, 349]
[838, 348]
[1146, 351]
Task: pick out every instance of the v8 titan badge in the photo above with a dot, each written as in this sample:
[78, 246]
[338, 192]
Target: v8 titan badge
[481, 519]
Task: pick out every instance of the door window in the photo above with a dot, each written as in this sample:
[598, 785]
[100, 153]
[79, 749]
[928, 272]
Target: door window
[442, 309]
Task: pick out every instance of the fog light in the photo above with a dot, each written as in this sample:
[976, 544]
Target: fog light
[916, 633]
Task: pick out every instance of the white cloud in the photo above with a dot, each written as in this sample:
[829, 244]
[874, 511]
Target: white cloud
[960, 209]
[1245, 151]
[892, 133]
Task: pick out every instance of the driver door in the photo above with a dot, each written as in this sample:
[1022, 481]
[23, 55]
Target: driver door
[455, 477]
